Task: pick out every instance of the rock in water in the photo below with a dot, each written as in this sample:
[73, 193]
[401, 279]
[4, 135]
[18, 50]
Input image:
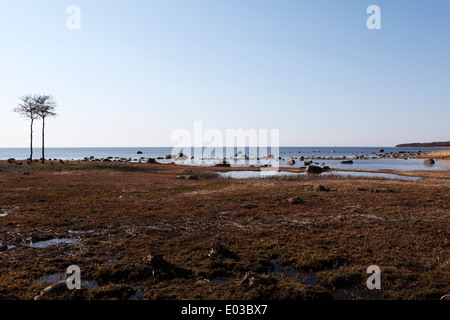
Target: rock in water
[314, 169]
[347, 162]
[181, 157]
[428, 161]
[223, 163]
[290, 162]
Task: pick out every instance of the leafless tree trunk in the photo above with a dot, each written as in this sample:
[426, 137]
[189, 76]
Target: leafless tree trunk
[28, 109]
[45, 105]
[43, 140]
[31, 140]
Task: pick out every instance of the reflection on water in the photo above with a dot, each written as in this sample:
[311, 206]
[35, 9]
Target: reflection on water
[391, 176]
[52, 242]
[309, 279]
[268, 174]
[255, 174]
[56, 277]
[286, 153]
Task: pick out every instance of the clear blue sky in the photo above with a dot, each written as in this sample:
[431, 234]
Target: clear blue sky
[137, 70]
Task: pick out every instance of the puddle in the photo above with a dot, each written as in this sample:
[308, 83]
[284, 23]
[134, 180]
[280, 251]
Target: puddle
[289, 272]
[217, 280]
[255, 174]
[5, 212]
[311, 280]
[222, 280]
[55, 277]
[353, 294]
[52, 242]
[268, 174]
[391, 176]
[79, 231]
[137, 295]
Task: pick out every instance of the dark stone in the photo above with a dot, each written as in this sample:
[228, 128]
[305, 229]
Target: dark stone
[56, 289]
[320, 188]
[223, 163]
[151, 160]
[314, 169]
[187, 177]
[218, 249]
[295, 200]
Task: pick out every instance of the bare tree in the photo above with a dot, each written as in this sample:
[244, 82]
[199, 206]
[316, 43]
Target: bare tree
[45, 105]
[27, 108]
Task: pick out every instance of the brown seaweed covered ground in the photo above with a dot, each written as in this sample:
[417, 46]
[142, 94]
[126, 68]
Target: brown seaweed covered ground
[112, 216]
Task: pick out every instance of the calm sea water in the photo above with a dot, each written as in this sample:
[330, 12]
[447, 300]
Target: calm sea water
[212, 155]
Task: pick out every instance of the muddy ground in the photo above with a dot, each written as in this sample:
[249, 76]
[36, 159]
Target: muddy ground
[109, 217]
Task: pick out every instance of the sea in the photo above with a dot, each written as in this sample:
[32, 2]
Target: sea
[208, 156]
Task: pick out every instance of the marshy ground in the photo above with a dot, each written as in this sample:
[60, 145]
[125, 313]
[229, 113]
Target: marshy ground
[108, 218]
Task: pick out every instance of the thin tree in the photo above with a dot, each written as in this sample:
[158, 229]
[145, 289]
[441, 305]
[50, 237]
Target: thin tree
[45, 105]
[27, 108]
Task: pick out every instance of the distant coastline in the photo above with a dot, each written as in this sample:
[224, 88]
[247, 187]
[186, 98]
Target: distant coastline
[445, 144]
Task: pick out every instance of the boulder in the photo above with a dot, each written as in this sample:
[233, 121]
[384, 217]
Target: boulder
[154, 259]
[139, 152]
[428, 161]
[218, 249]
[169, 156]
[314, 169]
[56, 289]
[151, 160]
[252, 279]
[320, 188]
[295, 200]
[181, 156]
[381, 150]
[222, 163]
[347, 162]
[290, 162]
[187, 177]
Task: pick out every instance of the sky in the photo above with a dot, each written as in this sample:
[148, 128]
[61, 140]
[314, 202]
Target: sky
[136, 71]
